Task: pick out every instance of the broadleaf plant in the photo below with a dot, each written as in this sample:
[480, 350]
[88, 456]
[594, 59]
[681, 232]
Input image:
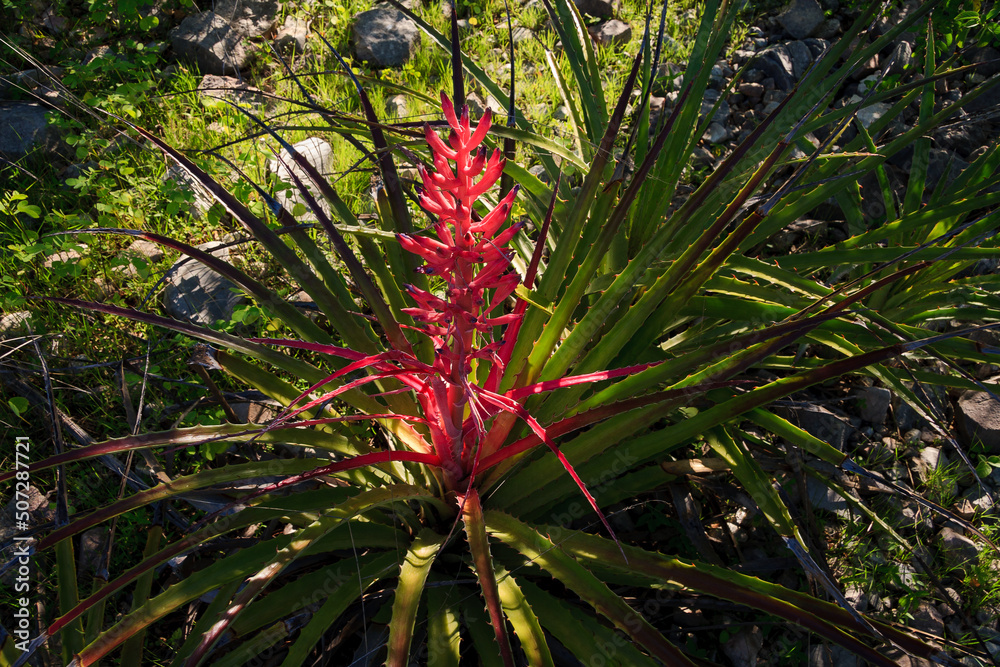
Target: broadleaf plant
[521, 378]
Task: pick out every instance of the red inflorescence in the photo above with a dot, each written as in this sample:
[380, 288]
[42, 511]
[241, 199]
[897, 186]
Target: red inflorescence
[468, 253]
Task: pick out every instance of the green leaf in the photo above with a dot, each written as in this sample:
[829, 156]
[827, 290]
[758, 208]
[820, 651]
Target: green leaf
[19, 405]
[409, 590]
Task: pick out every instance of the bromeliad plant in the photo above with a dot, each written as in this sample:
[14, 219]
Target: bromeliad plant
[483, 369]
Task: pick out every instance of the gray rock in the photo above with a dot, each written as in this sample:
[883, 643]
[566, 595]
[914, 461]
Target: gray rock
[611, 33]
[775, 62]
[832, 655]
[24, 128]
[214, 86]
[716, 133]
[856, 597]
[396, 106]
[598, 8]
[901, 58]
[146, 249]
[319, 154]
[927, 618]
[817, 46]
[828, 29]
[988, 59]
[14, 322]
[721, 114]
[933, 458]
[871, 113]
[801, 57]
[824, 498]
[251, 18]
[820, 422]
[197, 294]
[956, 549]
[754, 90]
[538, 171]
[210, 41]
[520, 34]
[873, 404]
[291, 36]
[62, 257]
[54, 23]
[384, 37]
[801, 18]
[92, 549]
[31, 79]
[743, 647]
[943, 164]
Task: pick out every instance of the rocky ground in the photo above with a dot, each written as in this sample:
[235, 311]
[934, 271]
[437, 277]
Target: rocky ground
[869, 423]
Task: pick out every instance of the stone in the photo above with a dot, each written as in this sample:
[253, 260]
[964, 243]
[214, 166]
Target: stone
[956, 549]
[15, 322]
[930, 460]
[145, 249]
[817, 46]
[820, 422]
[197, 294]
[828, 29]
[611, 33]
[832, 655]
[708, 103]
[978, 420]
[210, 41]
[801, 57]
[24, 128]
[871, 113]
[538, 171]
[62, 257]
[54, 23]
[396, 106]
[201, 200]
[319, 154]
[251, 18]
[384, 37]
[775, 63]
[801, 18]
[943, 164]
[927, 618]
[744, 646]
[901, 59]
[716, 133]
[598, 8]
[873, 404]
[824, 498]
[988, 59]
[520, 34]
[252, 412]
[93, 544]
[291, 37]
[213, 87]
